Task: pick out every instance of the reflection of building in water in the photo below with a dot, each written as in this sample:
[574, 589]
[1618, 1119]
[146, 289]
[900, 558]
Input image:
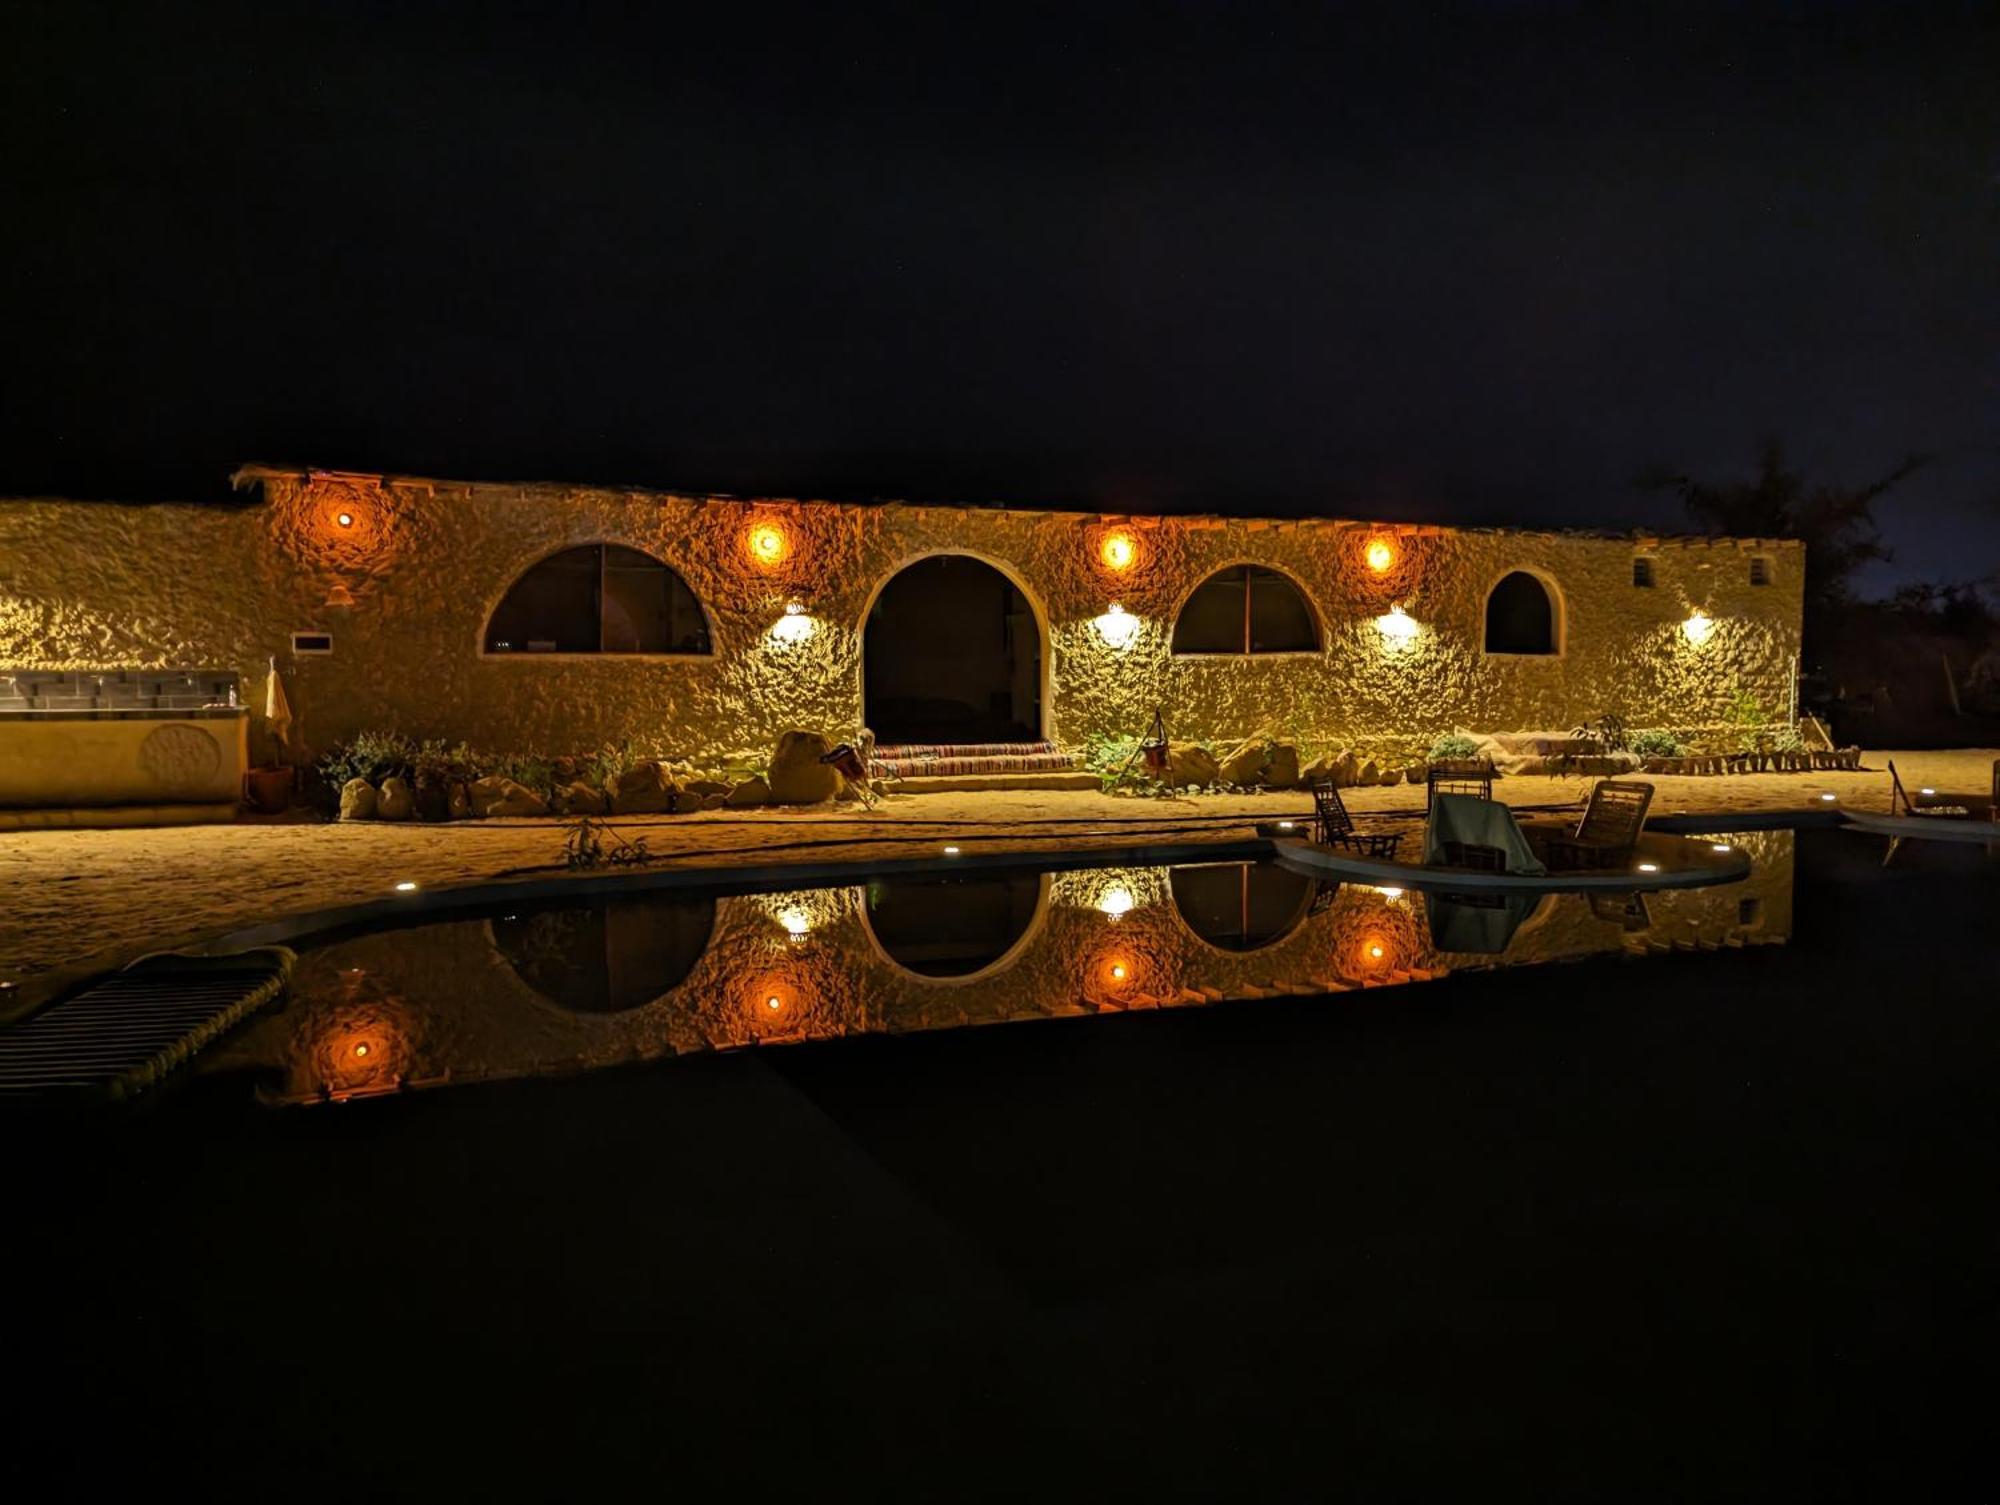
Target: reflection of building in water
[610, 956]
[612, 981]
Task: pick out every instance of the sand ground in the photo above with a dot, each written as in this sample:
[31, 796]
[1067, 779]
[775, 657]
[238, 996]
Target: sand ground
[73, 901]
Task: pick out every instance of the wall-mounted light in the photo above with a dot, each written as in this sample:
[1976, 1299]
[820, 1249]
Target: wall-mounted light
[798, 924]
[1697, 627]
[795, 626]
[1116, 901]
[1381, 555]
[1397, 626]
[1118, 551]
[344, 519]
[768, 545]
[1117, 626]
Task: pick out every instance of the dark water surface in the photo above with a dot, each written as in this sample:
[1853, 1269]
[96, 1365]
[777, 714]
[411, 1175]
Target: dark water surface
[1710, 1223]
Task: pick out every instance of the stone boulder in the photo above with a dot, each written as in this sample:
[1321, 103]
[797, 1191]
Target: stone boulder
[1191, 765]
[749, 793]
[643, 789]
[357, 800]
[397, 801]
[797, 776]
[1282, 769]
[500, 797]
[1244, 763]
[1346, 769]
[1368, 774]
[1320, 768]
[580, 799]
[714, 800]
[705, 786]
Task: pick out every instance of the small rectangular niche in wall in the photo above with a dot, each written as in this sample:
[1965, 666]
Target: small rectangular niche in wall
[1760, 570]
[1749, 911]
[1642, 572]
[312, 644]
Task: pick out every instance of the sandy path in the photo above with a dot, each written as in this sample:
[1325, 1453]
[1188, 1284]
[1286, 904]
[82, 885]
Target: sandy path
[81, 899]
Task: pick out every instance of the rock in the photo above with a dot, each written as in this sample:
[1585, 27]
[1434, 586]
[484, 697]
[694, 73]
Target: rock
[1368, 773]
[1320, 768]
[1390, 776]
[1282, 771]
[1189, 763]
[433, 798]
[1244, 763]
[797, 776]
[705, 786]
[397, 801]
[714, 800]
[357, 800]
[749, 792]
[500, 797]
[1417, 773]
[643, 789]
[580, 799]
[458, 801]
[1345, 768]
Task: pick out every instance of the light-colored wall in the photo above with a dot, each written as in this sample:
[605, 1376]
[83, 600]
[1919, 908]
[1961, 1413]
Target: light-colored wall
[406, 588]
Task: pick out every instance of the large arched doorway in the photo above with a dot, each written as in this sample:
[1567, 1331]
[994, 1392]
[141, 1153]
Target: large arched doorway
[952, 655]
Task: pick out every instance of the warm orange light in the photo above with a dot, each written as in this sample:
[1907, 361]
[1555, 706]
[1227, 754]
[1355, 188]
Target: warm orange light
[345, 519]
[1118, 551]
[1381, 555]
[774, 1003]
[768, 544]
[1118, 971]
[1374, 952]
[361, 1050]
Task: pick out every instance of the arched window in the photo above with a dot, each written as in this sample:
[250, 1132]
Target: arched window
[1520, 616]
[1246, 609]
[601, 598]
[1241, 906]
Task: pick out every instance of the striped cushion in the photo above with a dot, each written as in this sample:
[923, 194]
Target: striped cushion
[907, 760]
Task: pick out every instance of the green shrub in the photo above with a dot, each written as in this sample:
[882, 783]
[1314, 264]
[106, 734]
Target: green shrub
[1656, 744]
[1453, 745]
[373, 756]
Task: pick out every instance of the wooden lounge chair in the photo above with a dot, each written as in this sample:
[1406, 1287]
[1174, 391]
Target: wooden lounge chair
[1333, 826]
[1458, 776]
[1609, 829]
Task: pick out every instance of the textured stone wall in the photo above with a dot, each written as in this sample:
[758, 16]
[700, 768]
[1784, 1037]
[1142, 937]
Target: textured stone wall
[406, 585]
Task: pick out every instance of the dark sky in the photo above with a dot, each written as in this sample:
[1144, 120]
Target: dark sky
[1478, 265]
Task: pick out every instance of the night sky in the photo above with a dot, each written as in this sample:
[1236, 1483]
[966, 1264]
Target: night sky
[1475, 267]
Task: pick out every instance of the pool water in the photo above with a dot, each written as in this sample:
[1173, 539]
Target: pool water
[1622, 1209]
[666, 972]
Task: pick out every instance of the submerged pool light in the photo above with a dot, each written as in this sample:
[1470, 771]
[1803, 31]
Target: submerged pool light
[406, 887]
[1649, 867]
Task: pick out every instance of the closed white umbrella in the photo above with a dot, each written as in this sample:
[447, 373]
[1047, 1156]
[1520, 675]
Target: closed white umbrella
[277, 709]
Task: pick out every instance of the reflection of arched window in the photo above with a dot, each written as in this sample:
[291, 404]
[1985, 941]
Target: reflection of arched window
[601, 598]
[610, 955]
[1520, 616]
[1245, 609]
[1240, 906]
[952, 927]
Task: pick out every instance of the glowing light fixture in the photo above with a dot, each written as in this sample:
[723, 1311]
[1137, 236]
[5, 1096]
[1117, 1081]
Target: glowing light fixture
[1375, 951]
[1697, 627]
[1118, 971]
[1118, 551]
[769, 545]
[1829, 798]
[1284, 825]
[1927, 791]
[951, 851]
[1720, 846]
[1117, 626]
[796, 922]
[361, 1050]
[1649, 867]
[405, 887]
[1381, 555]
[345, 519]
[774, 1003]
[1390, 893]
[1397, 627]
[1116, 901]
[795, 626]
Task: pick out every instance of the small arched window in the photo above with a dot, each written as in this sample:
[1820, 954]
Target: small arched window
[1520, 616]
[1246, 609]
[601, 598]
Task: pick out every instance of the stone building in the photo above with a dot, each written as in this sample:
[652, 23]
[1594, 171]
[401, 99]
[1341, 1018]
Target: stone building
[556, 618]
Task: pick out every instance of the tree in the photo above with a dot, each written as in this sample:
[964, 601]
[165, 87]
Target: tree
[1835, 523]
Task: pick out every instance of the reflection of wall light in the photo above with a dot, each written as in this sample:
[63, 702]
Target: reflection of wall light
[1118, 551]
[1381, 555]
[345, 519]
[1397, 627]
[768, 544]
[1697, 627]
[1116, 902]
[1117, 626]
[796, 922]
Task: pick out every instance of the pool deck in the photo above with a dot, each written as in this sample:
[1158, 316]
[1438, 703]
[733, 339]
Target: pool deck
[80, 901]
